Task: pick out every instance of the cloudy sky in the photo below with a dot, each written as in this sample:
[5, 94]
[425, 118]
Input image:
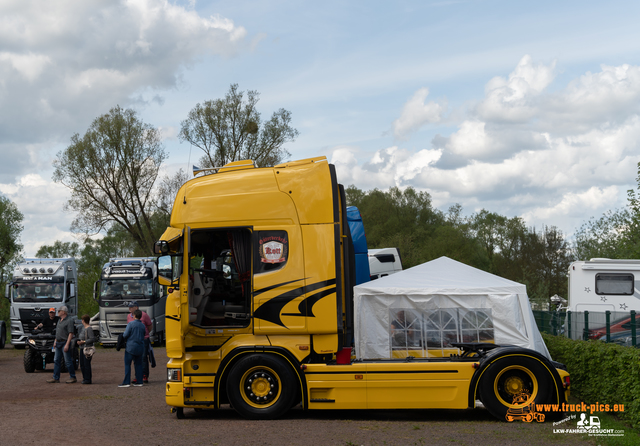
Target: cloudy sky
[525, 109]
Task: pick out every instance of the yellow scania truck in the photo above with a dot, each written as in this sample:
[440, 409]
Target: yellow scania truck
[259, 314]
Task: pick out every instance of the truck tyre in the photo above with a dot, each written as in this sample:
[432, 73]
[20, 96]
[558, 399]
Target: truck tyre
[261, 387]
[29, 361]
[3, 334]
[159, 339]
[513, 376]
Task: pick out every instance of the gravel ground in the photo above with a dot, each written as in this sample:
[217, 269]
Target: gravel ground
[32, 410]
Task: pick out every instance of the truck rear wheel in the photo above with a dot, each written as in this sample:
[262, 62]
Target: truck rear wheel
[29, 361]
[261, 387]
[514, 383]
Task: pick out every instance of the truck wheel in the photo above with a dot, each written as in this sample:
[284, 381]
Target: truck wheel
[180, 413]
[515, 382]
[29, 361]
[159, 339]
[3, 335]
[261, 387]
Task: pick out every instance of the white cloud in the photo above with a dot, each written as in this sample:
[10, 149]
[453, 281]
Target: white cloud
[593, 199]
[41, 201]
[64, 63]
[511, 154]
[513, 99]
[416, 113]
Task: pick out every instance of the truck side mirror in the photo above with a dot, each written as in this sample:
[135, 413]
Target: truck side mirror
[161, 247]
[72, 290]
[7, 292]
[95, 290]
[165, 269]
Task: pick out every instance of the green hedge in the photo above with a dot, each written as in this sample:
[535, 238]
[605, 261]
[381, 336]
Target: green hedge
[601, 373]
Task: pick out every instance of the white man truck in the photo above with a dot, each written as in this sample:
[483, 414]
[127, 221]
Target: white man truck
[124, 280]
[36, 286]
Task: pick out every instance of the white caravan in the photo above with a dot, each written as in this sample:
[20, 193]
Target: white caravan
[600, 285]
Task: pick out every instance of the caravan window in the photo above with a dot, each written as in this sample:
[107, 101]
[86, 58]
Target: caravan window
[616, 284]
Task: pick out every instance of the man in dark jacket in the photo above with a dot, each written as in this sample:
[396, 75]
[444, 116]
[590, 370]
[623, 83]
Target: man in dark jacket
[49, 323]
[134, 335]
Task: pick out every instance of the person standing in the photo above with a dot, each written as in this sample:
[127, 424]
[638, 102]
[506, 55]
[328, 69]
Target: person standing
[86, 339]
[134, 335]
[63, 347]
[146, 320]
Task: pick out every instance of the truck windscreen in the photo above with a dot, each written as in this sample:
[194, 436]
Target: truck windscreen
[126, 289]
[37, 292]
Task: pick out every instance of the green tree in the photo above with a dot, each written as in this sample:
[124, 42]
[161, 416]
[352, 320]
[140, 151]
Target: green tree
[604, 237]
[58, 250]
[10, 247]
[111, 172]
[407, 220]
[231, 129]
[616, 234]
[166, 195]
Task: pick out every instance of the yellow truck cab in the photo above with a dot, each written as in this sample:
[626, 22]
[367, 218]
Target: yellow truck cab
[259, 314]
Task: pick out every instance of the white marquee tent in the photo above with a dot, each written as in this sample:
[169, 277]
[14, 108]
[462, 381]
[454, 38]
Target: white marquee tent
[421, 310]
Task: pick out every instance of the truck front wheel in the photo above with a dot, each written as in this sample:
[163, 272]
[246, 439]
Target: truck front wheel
[261, 387]
[515, 382]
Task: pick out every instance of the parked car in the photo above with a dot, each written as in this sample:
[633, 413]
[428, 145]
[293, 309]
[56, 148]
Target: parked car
[622, 338]
[622, 325]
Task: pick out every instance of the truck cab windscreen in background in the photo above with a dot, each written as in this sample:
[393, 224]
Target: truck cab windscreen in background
[37, 289]
[126, 280]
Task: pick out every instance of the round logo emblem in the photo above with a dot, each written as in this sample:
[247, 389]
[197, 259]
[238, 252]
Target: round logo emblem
[106, 304]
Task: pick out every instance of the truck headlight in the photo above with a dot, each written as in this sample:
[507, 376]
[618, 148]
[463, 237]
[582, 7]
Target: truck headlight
[174, 375]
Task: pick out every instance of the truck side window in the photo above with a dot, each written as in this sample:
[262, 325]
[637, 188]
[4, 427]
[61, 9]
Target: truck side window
[615, 284]
[272, 251]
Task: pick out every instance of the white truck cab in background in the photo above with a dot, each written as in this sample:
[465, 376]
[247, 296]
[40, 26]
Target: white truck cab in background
[383, 262]
[37, 285]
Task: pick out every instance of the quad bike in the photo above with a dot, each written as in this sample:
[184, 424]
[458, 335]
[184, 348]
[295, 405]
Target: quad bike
[40, 352]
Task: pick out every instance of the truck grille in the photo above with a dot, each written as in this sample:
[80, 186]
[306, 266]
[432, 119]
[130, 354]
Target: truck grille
[29, 316]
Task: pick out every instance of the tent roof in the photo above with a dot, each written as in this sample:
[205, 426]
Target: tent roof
[441, 276]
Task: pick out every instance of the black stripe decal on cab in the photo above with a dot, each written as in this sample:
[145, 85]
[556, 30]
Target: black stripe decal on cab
[270, 310]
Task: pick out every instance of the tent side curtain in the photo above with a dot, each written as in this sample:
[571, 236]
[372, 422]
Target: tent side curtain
[392, 326]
